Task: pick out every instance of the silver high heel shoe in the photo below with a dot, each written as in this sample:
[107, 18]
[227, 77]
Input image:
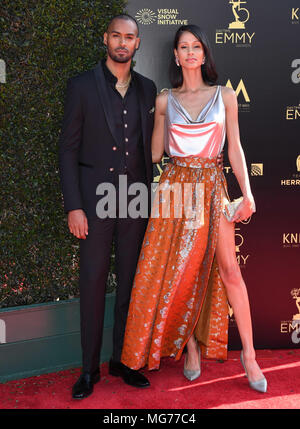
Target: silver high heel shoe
[259, 385]
[192, 374]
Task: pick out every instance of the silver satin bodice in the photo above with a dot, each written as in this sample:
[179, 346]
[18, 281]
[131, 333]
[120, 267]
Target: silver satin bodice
[204, 137]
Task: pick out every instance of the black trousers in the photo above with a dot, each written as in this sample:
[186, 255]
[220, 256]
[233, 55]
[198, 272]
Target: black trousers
[95, 251]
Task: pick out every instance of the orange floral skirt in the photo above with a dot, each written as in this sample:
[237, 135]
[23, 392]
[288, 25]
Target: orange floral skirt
[177, 290]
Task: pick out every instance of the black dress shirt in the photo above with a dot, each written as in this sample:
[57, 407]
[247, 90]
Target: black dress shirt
[127, 119]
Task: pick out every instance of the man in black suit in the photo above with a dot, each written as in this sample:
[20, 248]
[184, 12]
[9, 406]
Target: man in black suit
[106, 133]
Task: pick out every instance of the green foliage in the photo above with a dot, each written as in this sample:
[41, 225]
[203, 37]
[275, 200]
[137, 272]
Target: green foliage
[43, 43]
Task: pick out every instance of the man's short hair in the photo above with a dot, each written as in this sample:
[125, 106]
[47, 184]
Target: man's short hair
[126, 17]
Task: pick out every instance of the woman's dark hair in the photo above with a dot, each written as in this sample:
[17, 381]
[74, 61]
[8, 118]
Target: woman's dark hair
[209, 72]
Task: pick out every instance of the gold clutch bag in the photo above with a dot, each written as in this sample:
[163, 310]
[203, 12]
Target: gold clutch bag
[231, 207]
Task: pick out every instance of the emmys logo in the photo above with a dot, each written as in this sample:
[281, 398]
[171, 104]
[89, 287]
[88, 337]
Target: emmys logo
[296, 176]
[298, 163]
[296, 73]
[241, 88]
[241, 16]
[295, 15]
[292, 113]
[296, 295]
[293, 326]
[2, 71]
[160, 17]
[239, 241]
[257, 169]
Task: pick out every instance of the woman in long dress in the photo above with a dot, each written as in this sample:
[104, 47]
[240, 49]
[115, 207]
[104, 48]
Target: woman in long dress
[187, 268]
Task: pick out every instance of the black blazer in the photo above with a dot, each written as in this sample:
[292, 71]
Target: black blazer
[86, 157]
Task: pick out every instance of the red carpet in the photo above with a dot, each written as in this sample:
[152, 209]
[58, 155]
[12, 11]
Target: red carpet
[221, 386]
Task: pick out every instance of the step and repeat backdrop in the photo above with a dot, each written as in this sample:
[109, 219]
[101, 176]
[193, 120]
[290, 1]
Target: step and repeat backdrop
[257, 53]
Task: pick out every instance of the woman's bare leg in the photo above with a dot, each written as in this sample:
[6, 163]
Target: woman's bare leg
[192, 357]
[237, 296]
[236, 293]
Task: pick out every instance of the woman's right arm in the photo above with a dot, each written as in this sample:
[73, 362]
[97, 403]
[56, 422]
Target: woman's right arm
[157, 142]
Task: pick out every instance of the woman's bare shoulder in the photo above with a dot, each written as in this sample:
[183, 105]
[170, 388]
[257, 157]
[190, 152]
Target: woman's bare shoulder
[162, 96]
[228, 92]
[162, 100]
[228, 95]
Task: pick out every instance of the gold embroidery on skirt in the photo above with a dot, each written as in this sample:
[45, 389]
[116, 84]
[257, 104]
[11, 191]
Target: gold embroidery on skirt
[177, 289]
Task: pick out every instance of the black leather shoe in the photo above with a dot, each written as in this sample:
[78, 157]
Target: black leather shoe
[130, 376]
[84, 386]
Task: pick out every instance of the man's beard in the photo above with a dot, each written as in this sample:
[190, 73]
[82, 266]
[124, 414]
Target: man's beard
[118, 58]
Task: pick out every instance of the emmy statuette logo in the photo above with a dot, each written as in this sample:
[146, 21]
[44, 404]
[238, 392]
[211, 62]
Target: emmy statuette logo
[295, 181]
[296, 296]
[296, 317]
[293, 326]
[239, 241]
[298, 163]
[233, 34]
[241, 15]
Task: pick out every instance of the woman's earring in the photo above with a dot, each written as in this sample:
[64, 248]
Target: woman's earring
[203, 62]
[177, 61]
